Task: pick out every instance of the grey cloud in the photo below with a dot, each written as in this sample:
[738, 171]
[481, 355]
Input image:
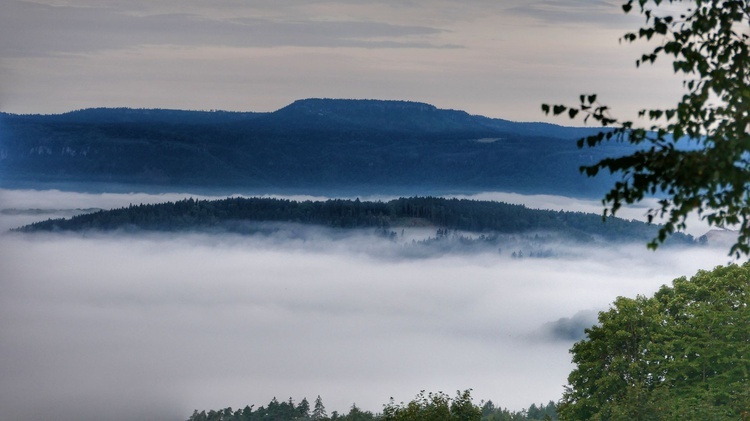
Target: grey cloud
[499, 63]
[29, 29]
[596, 12]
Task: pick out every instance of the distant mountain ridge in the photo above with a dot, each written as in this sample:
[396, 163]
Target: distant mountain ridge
[319, 145]
[141, 115]
[411, 116]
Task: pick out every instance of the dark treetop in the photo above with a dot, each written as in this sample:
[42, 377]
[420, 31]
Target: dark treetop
[465, 215]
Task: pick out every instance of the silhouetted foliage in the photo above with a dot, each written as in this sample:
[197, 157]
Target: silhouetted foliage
[231, 214]
[434, 406]
[695, 153]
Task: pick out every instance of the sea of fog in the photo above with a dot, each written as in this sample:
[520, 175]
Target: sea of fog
[152, 326]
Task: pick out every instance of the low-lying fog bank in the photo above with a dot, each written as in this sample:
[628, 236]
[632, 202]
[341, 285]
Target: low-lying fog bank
[124, 327]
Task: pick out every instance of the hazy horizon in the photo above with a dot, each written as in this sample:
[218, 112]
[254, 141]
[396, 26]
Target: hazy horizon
[499, 59]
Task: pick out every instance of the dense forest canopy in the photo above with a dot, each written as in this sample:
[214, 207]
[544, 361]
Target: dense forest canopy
[450, 214]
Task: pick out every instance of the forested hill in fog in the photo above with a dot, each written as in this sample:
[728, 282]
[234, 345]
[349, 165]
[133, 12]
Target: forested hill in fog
[232, 214]
[312, 145]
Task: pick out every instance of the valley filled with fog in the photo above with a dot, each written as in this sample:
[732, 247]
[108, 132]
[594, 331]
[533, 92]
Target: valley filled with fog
[155, 325]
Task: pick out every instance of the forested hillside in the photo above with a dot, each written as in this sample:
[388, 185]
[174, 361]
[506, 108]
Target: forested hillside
[314, 145]
[448, 214]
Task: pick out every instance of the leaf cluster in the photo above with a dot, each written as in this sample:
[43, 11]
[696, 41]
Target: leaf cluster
[434, 406]
[681, 354]
[708, 42]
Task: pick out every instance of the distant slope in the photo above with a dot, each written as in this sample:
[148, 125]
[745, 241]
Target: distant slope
[313, 145]
[454, 214]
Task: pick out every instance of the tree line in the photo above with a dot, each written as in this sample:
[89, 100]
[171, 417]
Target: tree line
[454, 214]
[431, 406]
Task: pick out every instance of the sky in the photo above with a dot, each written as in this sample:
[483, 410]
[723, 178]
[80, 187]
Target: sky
[123, 327]
[498, 58]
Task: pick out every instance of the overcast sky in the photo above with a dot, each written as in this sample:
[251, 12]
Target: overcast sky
[499, 58]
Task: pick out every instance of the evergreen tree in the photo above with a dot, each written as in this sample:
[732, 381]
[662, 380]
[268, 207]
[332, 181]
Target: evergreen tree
[319, 411]
[303, 409]
[356, 414]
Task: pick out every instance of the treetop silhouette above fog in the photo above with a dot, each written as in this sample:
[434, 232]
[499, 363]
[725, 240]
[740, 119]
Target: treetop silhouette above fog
[454, 214]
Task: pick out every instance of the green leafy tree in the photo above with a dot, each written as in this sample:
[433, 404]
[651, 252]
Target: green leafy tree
[681, 354]
[434, 406]
[462, 407]
[708, 43]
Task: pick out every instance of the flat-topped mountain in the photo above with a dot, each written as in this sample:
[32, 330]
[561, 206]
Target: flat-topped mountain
[312, 145]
